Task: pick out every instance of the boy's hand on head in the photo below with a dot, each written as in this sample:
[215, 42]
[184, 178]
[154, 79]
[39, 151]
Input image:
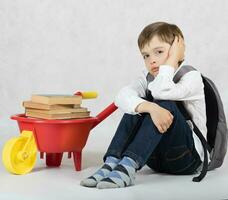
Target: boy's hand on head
[176, 52]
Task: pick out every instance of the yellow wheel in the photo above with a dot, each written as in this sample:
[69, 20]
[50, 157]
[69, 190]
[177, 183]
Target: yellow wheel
[19, 153]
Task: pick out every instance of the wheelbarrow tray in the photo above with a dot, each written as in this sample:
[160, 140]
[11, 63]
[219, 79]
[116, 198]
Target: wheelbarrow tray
[56, 136]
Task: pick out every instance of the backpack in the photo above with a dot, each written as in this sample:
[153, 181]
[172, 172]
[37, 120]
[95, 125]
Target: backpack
[216, 141]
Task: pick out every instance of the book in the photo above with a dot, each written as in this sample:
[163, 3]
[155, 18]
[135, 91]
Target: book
[52, 99]
[57, 111]
[34, 105]
[58, 116]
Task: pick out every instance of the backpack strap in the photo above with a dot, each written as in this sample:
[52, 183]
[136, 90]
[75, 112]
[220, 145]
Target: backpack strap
[177, 77]
[182, 71]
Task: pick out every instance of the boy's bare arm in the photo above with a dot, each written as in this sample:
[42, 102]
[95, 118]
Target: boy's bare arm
[161, 117]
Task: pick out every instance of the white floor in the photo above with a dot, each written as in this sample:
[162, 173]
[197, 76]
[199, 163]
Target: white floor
[63, 182]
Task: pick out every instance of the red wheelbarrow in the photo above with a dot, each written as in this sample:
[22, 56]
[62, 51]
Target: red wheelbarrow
[50, 137]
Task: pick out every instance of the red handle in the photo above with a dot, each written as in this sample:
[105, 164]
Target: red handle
[105, 113]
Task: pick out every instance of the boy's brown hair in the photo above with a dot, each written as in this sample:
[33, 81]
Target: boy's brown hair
[165, 31]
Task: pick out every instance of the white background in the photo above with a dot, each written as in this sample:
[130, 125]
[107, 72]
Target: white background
[56, 46]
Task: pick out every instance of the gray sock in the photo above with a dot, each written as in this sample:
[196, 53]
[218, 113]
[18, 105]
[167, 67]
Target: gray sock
[101, 173]
[121, 176]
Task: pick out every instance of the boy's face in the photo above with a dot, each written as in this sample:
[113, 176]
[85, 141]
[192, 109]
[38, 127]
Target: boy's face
[155, 53]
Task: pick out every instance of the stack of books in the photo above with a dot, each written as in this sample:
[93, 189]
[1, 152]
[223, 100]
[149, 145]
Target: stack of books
[55, 107]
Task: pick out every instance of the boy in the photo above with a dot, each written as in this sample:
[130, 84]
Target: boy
[153, 131]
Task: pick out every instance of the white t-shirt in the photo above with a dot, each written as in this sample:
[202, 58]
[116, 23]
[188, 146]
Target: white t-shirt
[189, 89]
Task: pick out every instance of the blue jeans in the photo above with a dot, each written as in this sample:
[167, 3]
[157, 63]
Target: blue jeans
[171, 152]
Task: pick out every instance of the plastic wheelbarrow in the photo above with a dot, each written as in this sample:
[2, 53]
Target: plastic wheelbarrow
[50, 137]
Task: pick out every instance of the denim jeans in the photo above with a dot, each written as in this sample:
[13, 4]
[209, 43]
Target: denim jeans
[171, 152]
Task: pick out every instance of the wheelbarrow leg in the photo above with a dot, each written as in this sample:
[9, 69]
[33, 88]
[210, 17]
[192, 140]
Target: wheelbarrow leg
[77, 160]
[41, 155]
[53, 159]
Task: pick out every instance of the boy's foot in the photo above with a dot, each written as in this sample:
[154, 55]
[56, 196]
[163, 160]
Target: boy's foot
[121, 176]
[101, 173]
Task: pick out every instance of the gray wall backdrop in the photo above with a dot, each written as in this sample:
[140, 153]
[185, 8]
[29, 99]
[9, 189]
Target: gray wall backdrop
[61, 46]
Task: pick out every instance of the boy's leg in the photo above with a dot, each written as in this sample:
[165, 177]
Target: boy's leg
[124, 135]
[124, 173]
[178, 136]
[176, 153]
[147, 139]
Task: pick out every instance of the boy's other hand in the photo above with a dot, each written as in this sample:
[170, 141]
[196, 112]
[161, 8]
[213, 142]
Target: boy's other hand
[176, 52]
[161, 117]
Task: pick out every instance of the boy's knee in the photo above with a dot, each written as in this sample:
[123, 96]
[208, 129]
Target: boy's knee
[167, 104]
[131, 119]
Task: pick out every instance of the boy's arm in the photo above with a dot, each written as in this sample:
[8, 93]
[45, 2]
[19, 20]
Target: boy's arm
[129, 97]
[130, 101]
[190, 86]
